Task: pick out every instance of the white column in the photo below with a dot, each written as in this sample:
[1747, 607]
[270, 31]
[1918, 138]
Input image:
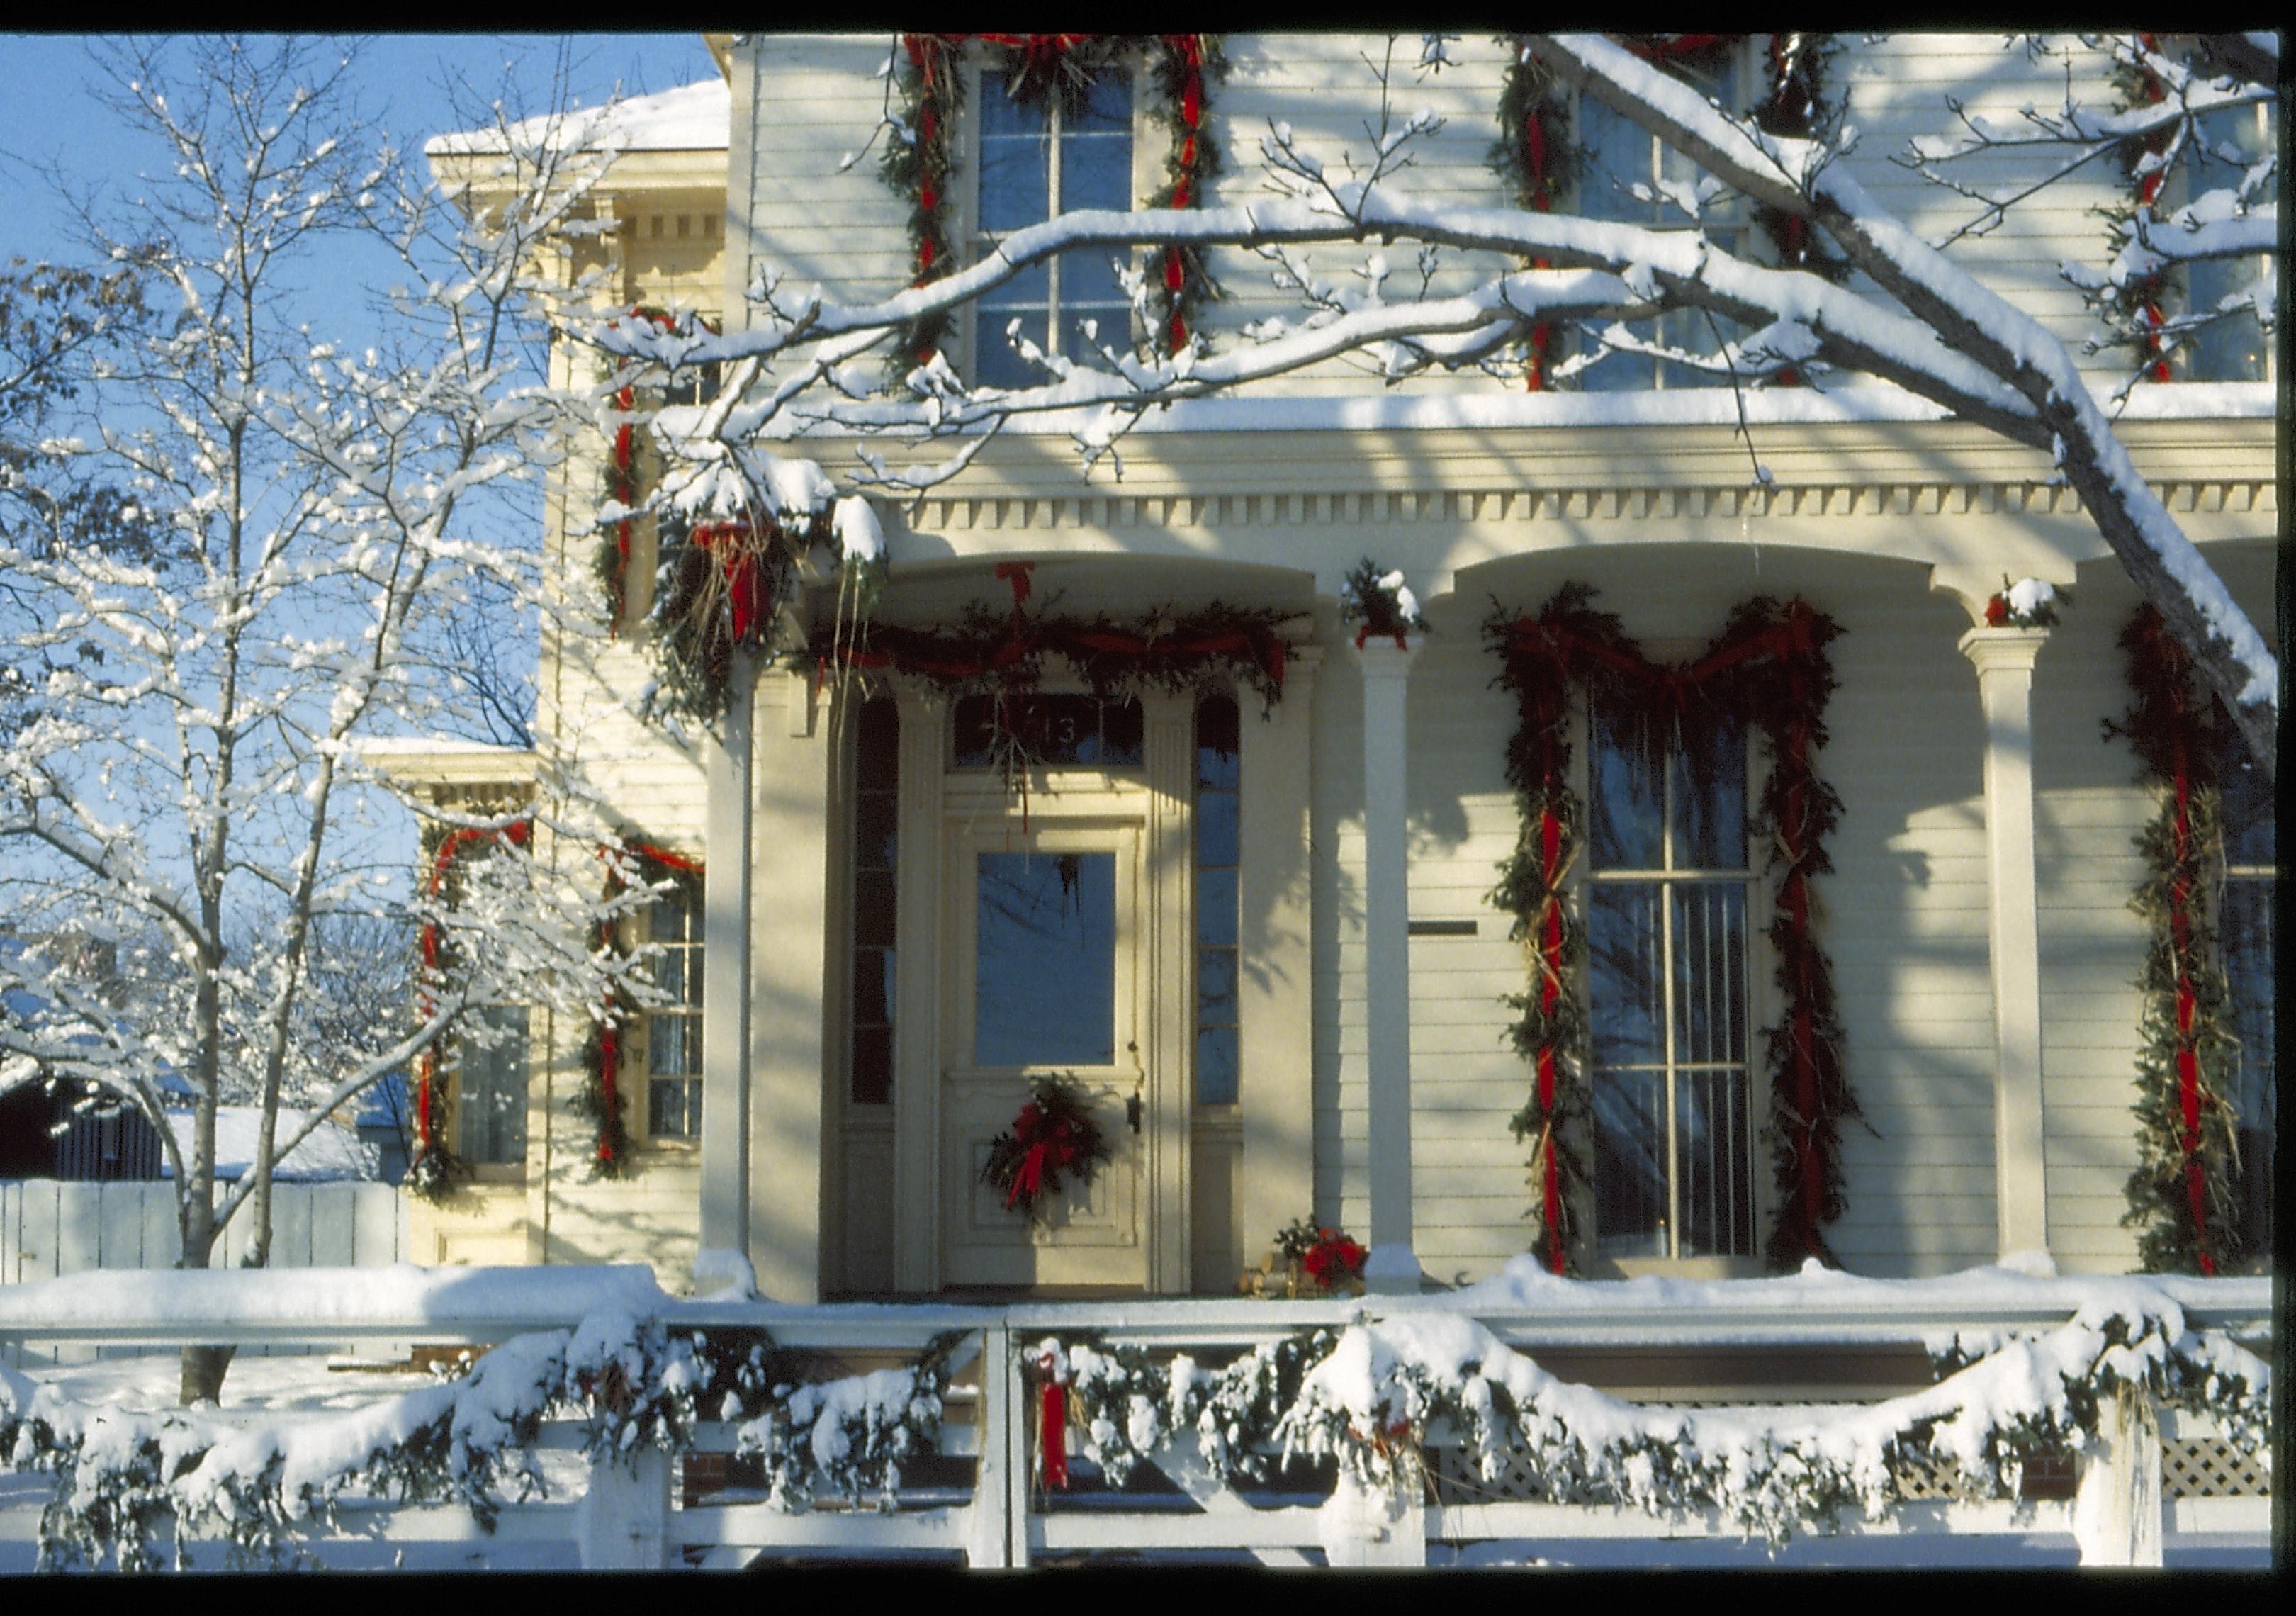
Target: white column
[2004, 658]
[1392, 1265]
[789, 958]
[728, 767]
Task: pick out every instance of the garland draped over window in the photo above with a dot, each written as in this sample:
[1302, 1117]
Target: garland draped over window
[1537, 152]
[1768, 669]
[434, 1164]
[2182, 1195]
[600, 1096]
[917, 164]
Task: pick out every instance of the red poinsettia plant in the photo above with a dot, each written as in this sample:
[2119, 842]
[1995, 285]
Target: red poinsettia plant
[1053, 1133]
[1331, 1258]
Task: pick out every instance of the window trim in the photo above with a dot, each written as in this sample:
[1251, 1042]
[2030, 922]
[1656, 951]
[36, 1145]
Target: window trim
[1762, 1009]
[964, 206]
[641, 1030]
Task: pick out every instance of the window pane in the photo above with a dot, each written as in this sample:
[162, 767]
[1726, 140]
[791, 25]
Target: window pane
[2234, 348]
[1216, 827]
[2248, 806]
[1045, 966]
[1215, 898]
[674, 1109]
[673, 1045]
[493, 1089]
[872, 908]
[1216, 1079]
[877, 746]
[1622, 957]
[1624, 818]
[872, 1065]
[1709, 801]
[1096, 172]
[872, 987]
[1629, 1163]
[1219, 765]
[1107, 108]
[2245, 935]
[1710, 1164]
[1215, 985]
[1710, 973]
[876, 814]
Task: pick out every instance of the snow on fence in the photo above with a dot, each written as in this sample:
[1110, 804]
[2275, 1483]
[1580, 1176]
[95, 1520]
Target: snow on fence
[1375, 1432]
[52, 1227]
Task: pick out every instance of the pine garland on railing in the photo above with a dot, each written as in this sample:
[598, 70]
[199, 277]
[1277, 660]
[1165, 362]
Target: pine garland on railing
[2184, 1195]
[1768, 669]
[125, 1482]
[1371, 1395]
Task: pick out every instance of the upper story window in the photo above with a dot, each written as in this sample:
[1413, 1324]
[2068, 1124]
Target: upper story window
[673, 1032]
[2245, 938]
[1038, 162]
[1628, 175]
[2228, 145]
[1667, 950]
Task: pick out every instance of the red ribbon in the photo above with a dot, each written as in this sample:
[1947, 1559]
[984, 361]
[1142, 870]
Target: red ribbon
[1052, 1433]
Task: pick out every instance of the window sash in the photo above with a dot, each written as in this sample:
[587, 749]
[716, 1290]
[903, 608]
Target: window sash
[1083, 167]
[1674, 1095]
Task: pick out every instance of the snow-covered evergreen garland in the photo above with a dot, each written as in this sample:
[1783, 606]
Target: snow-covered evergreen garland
[931, 89]
[1377, 604]
[1768, 669]
[1373, 1395]
[2184, 1195]
[125, 1482]
[2136, 299]
[600, 1098]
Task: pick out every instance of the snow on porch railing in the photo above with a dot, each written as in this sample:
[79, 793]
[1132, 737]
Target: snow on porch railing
[1424, 1420]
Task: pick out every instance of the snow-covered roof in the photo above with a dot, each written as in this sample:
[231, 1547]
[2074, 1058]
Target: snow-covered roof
[332, 1152]
[398, 746]
[690, 118]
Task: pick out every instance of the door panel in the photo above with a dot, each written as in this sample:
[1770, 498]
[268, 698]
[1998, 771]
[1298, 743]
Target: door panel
[1042, 974]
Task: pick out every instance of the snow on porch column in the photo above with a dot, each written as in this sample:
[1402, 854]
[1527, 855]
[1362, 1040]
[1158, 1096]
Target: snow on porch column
[1392, 1265]
[2004, 658]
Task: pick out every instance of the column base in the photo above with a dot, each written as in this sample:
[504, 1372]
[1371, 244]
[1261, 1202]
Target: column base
[1392, 1270]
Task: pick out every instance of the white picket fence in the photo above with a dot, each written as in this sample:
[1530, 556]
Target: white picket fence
[2148, 1495]
[51, 1228]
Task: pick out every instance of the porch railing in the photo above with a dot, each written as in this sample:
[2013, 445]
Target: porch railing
[2151, 1485]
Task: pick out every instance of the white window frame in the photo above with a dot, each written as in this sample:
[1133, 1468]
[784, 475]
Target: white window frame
[976, 243]
[1759, 1007]
[691, 1009]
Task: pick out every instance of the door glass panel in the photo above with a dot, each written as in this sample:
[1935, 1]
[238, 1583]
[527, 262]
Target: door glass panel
[1045, 959]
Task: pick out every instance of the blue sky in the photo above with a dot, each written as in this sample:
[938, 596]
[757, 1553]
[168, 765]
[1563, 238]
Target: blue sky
[50, 111]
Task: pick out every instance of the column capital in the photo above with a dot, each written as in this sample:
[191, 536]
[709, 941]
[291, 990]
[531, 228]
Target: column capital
[1385, 656]
[2003, 650]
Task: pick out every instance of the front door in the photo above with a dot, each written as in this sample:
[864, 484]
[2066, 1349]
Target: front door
[1043, 975]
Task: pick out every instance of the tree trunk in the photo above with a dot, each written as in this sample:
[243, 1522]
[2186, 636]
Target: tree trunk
[203, 1375]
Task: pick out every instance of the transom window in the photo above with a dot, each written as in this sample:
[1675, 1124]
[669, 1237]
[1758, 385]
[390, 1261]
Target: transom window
[1036, 163]
[673, 1033]
[1667, 946]
[1047, 731]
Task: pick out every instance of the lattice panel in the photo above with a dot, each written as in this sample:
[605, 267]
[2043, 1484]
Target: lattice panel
[2210, 1467]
